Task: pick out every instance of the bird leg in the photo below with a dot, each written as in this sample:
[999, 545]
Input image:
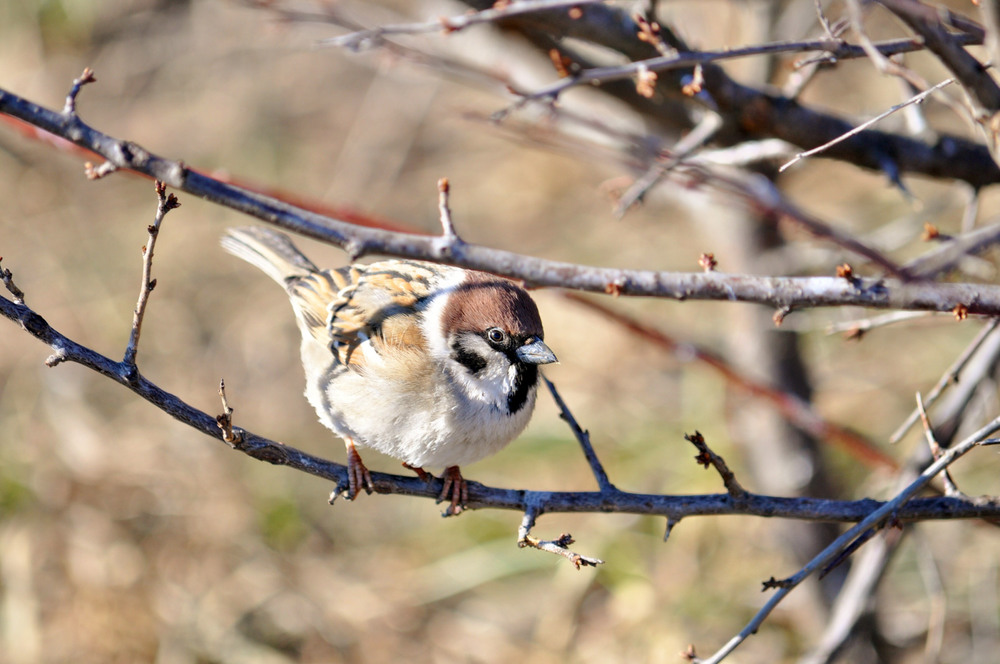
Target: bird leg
[421, 473]
[455, 485]
[357, 475]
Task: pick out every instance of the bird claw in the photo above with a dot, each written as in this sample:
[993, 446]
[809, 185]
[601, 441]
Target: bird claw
[457, 487]
[358, 476]
[421, 473]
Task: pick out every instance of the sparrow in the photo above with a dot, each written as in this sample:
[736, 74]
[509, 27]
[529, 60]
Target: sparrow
[431, 364]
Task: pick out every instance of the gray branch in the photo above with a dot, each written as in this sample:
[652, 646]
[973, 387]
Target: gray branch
[610, 499]
[783, 293]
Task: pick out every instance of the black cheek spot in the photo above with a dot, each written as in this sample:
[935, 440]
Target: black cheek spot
[525, 378]
[468, 359]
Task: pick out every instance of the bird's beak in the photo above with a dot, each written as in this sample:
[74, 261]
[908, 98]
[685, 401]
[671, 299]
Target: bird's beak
[536, 352]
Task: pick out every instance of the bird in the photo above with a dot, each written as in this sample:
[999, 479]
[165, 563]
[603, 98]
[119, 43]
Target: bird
[432, 364]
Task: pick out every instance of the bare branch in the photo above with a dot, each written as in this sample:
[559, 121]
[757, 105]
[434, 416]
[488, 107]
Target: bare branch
[364, 39]
[873, 520]
[950, 376]
[7, 277]
[916, 99]
[778, 292]
[583, 437]
[166, 203]
[481, 496]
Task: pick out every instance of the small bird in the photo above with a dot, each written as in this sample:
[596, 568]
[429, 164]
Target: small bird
[431, 364]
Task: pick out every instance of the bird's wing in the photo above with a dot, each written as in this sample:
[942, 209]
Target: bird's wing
[347, 306]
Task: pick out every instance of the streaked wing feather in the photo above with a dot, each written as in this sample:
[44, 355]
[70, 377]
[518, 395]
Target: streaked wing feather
[352, 304]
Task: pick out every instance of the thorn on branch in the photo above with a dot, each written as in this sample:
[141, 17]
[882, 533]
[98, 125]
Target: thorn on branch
[225, 420]
[773, 584]
[706, 457]
[69, 108]
[671, 522]
[689, 654]
[779, 315]
[8, 281]
[707, 262]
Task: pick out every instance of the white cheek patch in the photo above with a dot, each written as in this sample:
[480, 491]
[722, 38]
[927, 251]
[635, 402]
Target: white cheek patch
[433, 324]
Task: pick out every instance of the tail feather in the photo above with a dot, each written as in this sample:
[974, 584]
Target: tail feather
[270, 251]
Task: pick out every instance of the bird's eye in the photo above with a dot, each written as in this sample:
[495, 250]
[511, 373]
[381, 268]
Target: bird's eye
[495, 335]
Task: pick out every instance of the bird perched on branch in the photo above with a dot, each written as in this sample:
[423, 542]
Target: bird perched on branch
[434, 365]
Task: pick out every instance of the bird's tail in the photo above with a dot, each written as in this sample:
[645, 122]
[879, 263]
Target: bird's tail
[270, 251]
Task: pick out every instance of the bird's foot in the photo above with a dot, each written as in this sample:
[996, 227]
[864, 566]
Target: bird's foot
[455, 490]
[421, 473]
[358, 476]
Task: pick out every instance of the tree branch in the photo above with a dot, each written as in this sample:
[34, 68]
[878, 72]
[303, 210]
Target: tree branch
[784, 293]
[482, 496]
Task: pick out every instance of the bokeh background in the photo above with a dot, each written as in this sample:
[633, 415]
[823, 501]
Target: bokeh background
[127, 537]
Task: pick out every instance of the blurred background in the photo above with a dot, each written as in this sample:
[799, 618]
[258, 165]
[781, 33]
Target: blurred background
[127, 537]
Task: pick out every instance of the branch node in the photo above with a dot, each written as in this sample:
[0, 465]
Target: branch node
[449, 241]
[225, 420]
[559, 546]
[56, 358]
[706, 457]
[69, 108]
[773, 583]
[97, 172]
[8, 281]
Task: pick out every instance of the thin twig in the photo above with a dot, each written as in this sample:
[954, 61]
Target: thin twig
[69, 108]
[702, 133]
[558, 546]
[950, 376]
[706, 457]
[857, 327]
[950, 488]
[583, 437]
[7, 277]
[916, 99]
[363, 39]
[165, 204]
[225, 419]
